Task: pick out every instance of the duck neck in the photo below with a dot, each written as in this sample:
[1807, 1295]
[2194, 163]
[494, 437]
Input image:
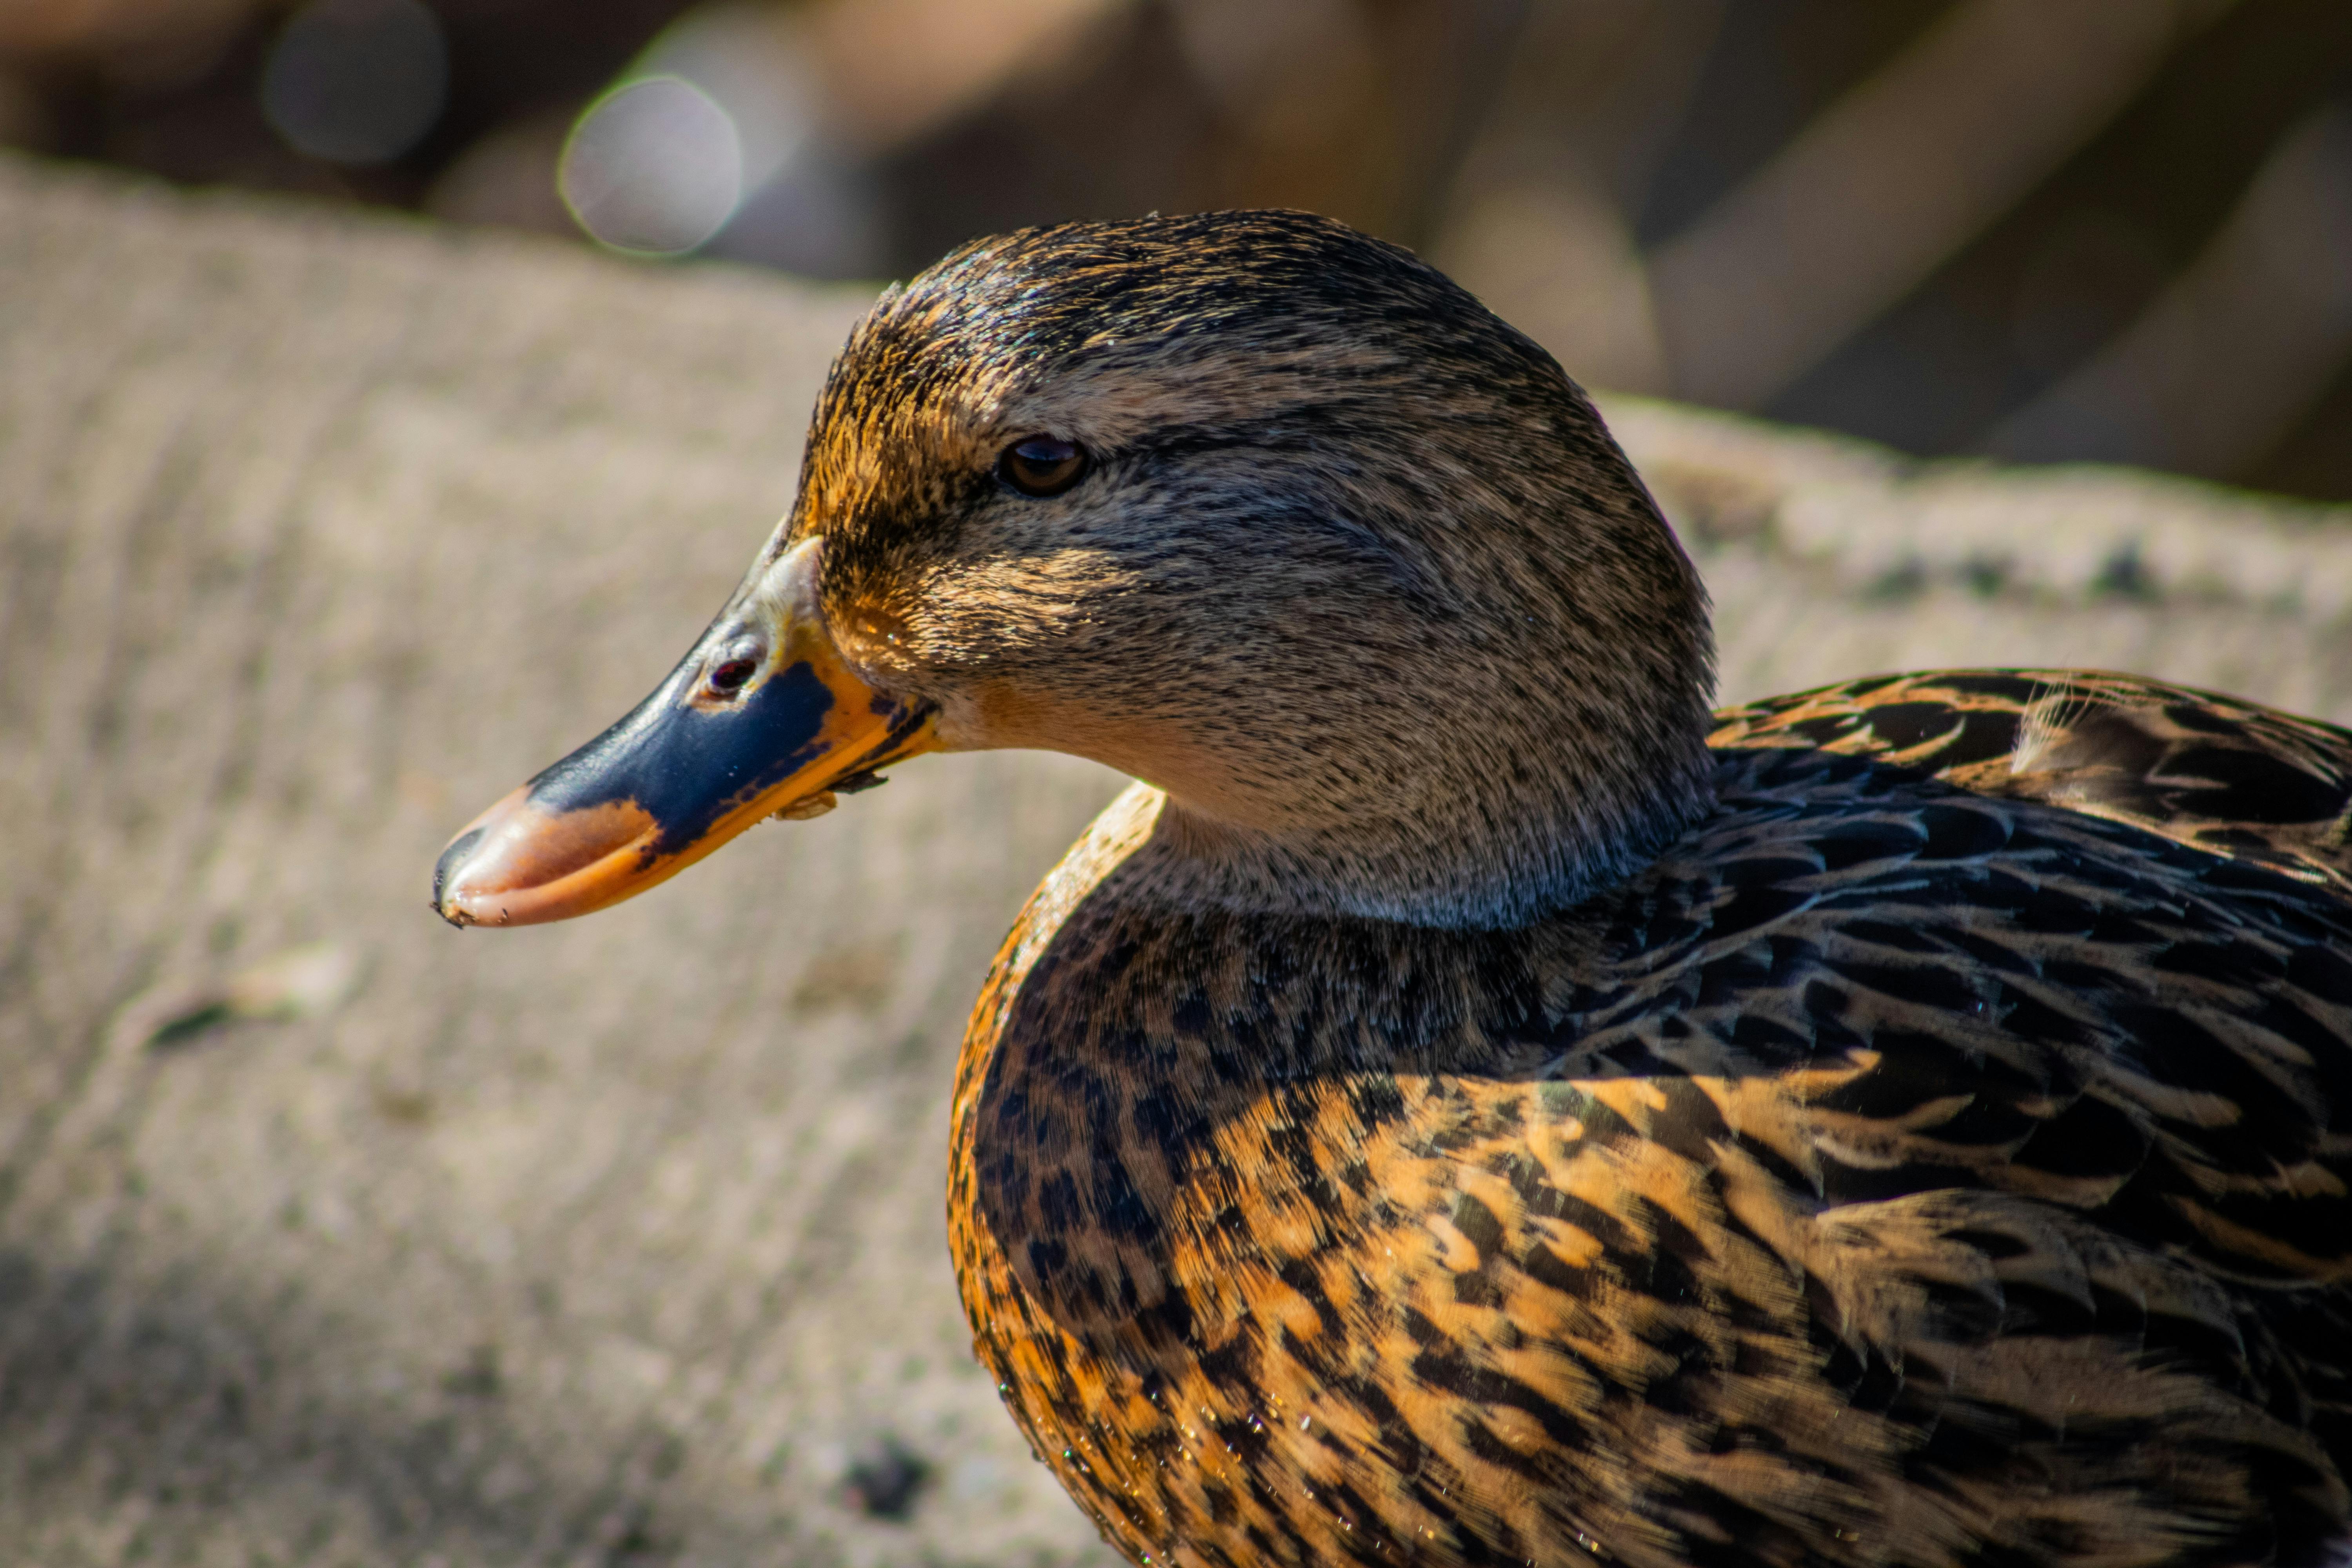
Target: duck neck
[1494, 860]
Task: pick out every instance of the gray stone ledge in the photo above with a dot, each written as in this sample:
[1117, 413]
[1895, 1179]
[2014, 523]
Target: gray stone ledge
[1873, 521]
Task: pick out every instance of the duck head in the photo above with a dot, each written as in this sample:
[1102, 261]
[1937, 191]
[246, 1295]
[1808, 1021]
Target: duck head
[1263, 512]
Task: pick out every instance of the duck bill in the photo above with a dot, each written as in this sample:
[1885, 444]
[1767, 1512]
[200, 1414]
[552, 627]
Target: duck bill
[711, 752]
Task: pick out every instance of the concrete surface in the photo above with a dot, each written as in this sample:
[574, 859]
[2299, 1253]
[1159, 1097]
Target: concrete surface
[328, 1236]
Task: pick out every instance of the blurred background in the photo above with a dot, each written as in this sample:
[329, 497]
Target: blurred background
[329, 1238]
[2117, 230]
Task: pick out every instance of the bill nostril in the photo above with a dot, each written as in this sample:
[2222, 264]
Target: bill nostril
[736, 661]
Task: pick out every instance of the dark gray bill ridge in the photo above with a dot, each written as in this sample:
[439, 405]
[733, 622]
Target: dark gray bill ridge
[686, 766]
[451, 858]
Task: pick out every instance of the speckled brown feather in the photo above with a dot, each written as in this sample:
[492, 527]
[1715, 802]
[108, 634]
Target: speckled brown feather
[2199, 768]
[1892, 1173]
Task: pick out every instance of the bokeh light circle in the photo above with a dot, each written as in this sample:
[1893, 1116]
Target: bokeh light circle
[356, 82]
[655, 165]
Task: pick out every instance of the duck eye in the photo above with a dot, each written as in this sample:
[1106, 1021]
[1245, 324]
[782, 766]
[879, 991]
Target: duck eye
[1041, 466]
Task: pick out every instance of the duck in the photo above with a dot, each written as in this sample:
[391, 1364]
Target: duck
[1468, 1101]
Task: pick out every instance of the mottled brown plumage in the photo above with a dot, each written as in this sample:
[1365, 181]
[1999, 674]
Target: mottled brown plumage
[1471, 1106]
[1888, 1173]
[2205, 771]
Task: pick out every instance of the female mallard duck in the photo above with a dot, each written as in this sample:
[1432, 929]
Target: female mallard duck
[1471, 1105]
